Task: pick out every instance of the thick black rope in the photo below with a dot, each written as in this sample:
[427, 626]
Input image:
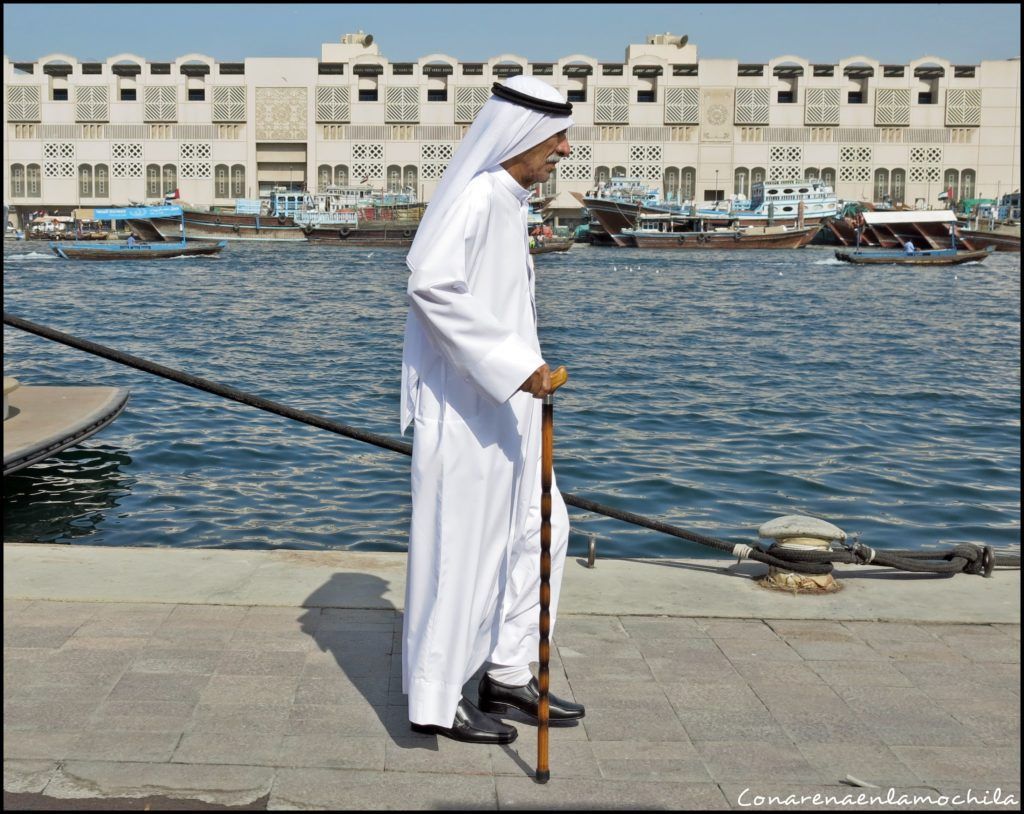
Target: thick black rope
[966, 558]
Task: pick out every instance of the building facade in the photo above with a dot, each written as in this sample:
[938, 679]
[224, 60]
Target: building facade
[129, 130]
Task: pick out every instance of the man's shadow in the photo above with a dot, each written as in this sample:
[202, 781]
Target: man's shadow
[365, 642]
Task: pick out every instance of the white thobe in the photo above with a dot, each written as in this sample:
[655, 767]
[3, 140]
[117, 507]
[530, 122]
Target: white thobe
[472, 589]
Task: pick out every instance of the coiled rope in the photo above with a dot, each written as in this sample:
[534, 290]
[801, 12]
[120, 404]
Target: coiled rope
[966, 558]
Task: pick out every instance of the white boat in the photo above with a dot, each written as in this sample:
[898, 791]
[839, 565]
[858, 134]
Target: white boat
[41, 421]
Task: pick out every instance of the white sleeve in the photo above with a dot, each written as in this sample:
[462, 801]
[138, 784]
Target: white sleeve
[475, 341]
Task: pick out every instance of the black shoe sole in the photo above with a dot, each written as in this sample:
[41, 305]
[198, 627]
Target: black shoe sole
[503, 709]
[455, 735]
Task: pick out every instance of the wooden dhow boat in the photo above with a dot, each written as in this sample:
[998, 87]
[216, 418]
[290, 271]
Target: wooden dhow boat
[679, 232]
[97, 250]
[922, 257]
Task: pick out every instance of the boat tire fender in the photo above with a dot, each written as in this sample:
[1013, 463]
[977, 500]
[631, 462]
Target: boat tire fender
[343, 233]
[407, 233]
[217, 220]
[236, 228]
[281, 219]
[681, 239]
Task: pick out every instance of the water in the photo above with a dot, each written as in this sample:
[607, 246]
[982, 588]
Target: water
[710, 390]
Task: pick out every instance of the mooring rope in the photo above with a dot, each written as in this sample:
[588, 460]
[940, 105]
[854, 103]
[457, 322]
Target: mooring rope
[968, 558]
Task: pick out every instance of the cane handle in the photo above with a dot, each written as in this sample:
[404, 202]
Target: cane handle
[559, 377]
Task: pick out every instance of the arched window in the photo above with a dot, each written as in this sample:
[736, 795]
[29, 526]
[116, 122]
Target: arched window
[757, 176]
[102, 181]
[220, 175]
[170, 179]
[671, 184]
[881, 184]
[17, 180]
[952, 181]
[84, 181]
[741, 181]
[601, 175]
[237, 180]
[324, 176]
[898, 185]
[411, 178]
[152, 180]
[394, 178]
[811, 174]
[551, 185]
[967, 181]
[688, 184]
[34, 184]
[341, 175]
[828, 177]
[618, 172]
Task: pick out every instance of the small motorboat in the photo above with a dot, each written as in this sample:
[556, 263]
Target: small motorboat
[41, 421]
[921, 257]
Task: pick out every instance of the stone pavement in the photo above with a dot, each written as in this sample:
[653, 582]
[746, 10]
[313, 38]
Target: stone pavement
[230, 703]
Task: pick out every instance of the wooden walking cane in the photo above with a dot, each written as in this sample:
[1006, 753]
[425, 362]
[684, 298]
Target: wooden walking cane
[558, 378]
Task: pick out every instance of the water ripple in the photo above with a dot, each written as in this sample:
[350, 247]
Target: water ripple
[708, 389]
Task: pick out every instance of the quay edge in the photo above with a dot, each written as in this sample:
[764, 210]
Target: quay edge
[685, 587]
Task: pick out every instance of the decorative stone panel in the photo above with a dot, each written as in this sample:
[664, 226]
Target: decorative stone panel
[373, 150]
[58, 169]
[23, 103]
[854, 163]
[368, 172]
[93, 103]
[121, 150]
[580, 152]
[281, 114]
[436, 152]
[925, 165]
[403, 105]
[648, 172]
[192, 150]
[332, 104]
[963, 108]
[611, 105]
[785, 163]
[126, 169]
[468, 102]
[161, 104]
[892, 107]
[58, 149]
[682, 105]
[195, 169]
[716, 115]
[575, 171]
[229, 103]
[752, 105]
[821, 106]
[432, 170]
[644, 152]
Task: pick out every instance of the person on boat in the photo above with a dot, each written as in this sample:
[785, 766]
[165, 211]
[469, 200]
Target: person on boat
[472, 379]
[131, 241]
[909, 248]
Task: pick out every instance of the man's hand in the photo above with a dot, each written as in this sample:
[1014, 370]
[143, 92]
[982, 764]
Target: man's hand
[539, 383]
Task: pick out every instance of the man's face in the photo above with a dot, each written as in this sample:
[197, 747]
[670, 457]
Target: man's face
[539, 162]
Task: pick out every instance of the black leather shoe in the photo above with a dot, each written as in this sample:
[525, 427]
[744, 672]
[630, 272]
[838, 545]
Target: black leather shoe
[471, 726]
[499, 698]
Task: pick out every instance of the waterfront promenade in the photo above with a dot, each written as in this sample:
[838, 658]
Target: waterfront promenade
[273, 680]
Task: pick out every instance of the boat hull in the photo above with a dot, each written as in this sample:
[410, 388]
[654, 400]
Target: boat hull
[381, 234]
[726, 240]
[122, 252]
[229, 226]
[938, 258]
[552, 246]
[976, 239]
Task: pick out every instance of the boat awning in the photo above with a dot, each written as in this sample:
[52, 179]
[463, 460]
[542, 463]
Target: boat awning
[129, 213]
[563, 200]
[927, 216]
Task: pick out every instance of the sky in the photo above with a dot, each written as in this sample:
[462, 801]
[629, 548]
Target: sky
[892, 33]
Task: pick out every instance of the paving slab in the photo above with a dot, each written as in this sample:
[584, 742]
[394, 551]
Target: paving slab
[222, 692]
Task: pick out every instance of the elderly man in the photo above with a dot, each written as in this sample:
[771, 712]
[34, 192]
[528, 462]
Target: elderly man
[472, 377]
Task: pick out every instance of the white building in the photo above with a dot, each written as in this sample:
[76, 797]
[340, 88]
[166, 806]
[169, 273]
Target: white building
[127, 129]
